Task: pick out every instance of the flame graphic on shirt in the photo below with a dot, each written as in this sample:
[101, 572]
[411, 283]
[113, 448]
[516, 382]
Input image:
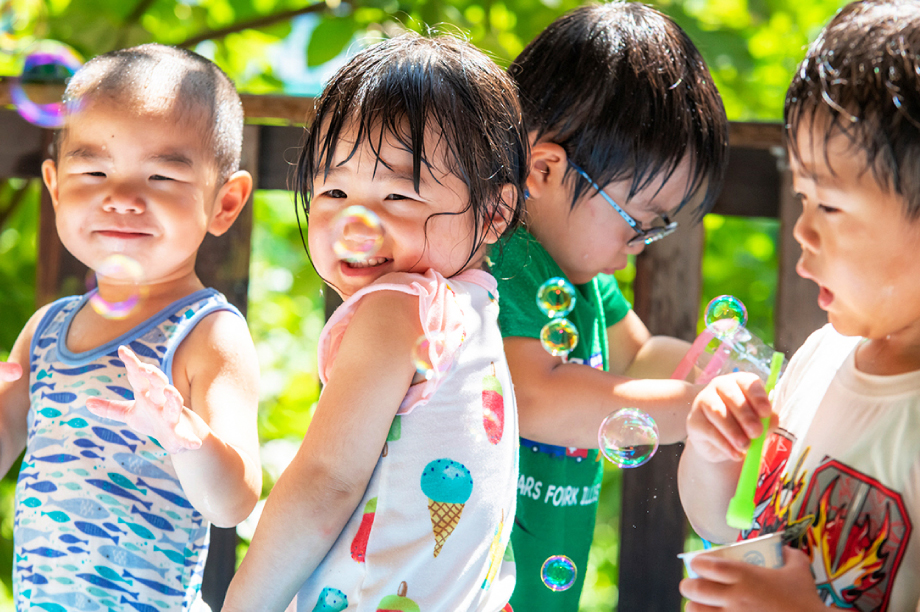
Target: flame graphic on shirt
[844, 573]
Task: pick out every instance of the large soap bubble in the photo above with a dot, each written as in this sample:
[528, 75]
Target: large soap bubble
[37, 92]
[358, 234]
[556, 297]
[558, 573]
[725, 315]
[628, 437]
[129, 274]
[559, 337]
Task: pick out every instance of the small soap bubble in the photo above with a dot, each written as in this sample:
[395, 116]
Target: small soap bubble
[558, 573]
[628, 437]
[129, 274]
[556, 297]
[425, 353]
[358, 232]
[725, 315]
[37, 92]
[559, 337]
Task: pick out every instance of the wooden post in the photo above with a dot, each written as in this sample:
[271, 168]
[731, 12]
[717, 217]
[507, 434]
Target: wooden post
[223, 263]
[797, 313]
[653, 524]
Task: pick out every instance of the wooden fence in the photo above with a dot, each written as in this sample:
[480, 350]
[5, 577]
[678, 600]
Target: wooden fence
[667, 296]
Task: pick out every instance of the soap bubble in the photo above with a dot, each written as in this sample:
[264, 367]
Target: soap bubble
[358, 232]
[36, 94]
[129, 274]
[725, 315]
[556, 297]
[422, 356]
[558, 573]
[559, 337]
[628, 437]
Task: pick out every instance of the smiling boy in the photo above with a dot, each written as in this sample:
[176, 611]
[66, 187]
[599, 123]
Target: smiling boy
[131, 452]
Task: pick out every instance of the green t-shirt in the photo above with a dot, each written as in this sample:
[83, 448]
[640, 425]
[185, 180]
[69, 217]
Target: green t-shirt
[558, 487]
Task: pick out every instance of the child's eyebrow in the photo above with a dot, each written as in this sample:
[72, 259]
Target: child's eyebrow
[88, 153]
[172, 157]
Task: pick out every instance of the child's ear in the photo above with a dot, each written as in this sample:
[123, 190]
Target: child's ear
[230, 201]
[495, 224]
[49, 176]
[548, 163]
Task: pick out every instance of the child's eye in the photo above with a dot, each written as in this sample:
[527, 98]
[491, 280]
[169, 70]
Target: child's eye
[335, 193]
[397, 196]
[96, 173]
[827, 209]
[160, 177]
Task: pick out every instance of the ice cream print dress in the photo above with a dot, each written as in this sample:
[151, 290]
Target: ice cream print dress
[431, 531]
[101, 520]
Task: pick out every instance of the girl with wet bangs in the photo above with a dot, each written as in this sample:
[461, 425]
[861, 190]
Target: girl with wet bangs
[403, 493]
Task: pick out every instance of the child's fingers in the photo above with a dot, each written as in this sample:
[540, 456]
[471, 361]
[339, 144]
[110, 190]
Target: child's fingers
[756, 395]
[109, 409]
[707, 594]
[172, 404]
[709, 439]
[733, 391]
[10, 371]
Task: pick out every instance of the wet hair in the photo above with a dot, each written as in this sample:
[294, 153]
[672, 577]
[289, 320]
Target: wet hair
[622, 89]
[401, 87]
[861, 78]
[166, 78]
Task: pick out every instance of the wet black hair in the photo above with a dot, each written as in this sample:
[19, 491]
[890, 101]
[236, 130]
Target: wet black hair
[622, 89]
[399, 87]
[861, 78]
[187, 81]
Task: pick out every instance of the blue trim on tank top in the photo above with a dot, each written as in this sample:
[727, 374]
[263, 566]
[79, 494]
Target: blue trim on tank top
[66, 356]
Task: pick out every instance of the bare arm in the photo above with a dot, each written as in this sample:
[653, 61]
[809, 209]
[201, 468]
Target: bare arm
[223, 478]
[14, 396]
[564, 403]
[207, 421]
[319, 491]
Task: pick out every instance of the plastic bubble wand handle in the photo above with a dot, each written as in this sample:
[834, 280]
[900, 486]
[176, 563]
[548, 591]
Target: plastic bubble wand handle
[740, 513]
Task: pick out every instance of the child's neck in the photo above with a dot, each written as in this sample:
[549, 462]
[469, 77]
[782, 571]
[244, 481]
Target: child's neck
[888, 356]
[90, 329]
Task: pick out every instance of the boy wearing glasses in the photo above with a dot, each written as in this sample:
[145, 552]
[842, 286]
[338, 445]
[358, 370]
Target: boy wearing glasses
[840, 472]
[627, 127]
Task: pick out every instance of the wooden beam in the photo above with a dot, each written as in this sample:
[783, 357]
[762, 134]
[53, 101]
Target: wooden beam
[295, 110]
[652, 524]
[751, 187]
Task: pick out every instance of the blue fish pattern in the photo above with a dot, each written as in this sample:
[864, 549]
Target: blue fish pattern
[93, 535]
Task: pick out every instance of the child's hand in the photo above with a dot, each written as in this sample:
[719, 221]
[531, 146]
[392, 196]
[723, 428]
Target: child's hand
[156, 409]
[10, 371]
[726, 416]
[724, 584]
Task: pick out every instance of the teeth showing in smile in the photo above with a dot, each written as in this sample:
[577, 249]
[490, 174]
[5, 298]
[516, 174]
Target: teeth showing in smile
[370, 262]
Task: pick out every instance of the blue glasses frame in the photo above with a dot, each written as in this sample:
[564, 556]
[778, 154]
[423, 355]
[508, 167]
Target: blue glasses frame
[643, 235]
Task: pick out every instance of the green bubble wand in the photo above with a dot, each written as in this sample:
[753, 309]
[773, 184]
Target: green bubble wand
[740, 513]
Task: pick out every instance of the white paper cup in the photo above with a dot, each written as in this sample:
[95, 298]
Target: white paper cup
[765, 551]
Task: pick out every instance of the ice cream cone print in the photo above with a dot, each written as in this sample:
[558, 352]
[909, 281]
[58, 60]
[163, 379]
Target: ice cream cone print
[398, 602]
[448, 485]
[359, 544]
[493, 407]
[331, 600]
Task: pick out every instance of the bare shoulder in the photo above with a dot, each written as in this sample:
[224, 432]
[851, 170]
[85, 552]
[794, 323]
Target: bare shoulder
[219, 345]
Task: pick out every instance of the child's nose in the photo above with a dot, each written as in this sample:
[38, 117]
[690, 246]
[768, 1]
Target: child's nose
[804, 233]
[124, 201]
